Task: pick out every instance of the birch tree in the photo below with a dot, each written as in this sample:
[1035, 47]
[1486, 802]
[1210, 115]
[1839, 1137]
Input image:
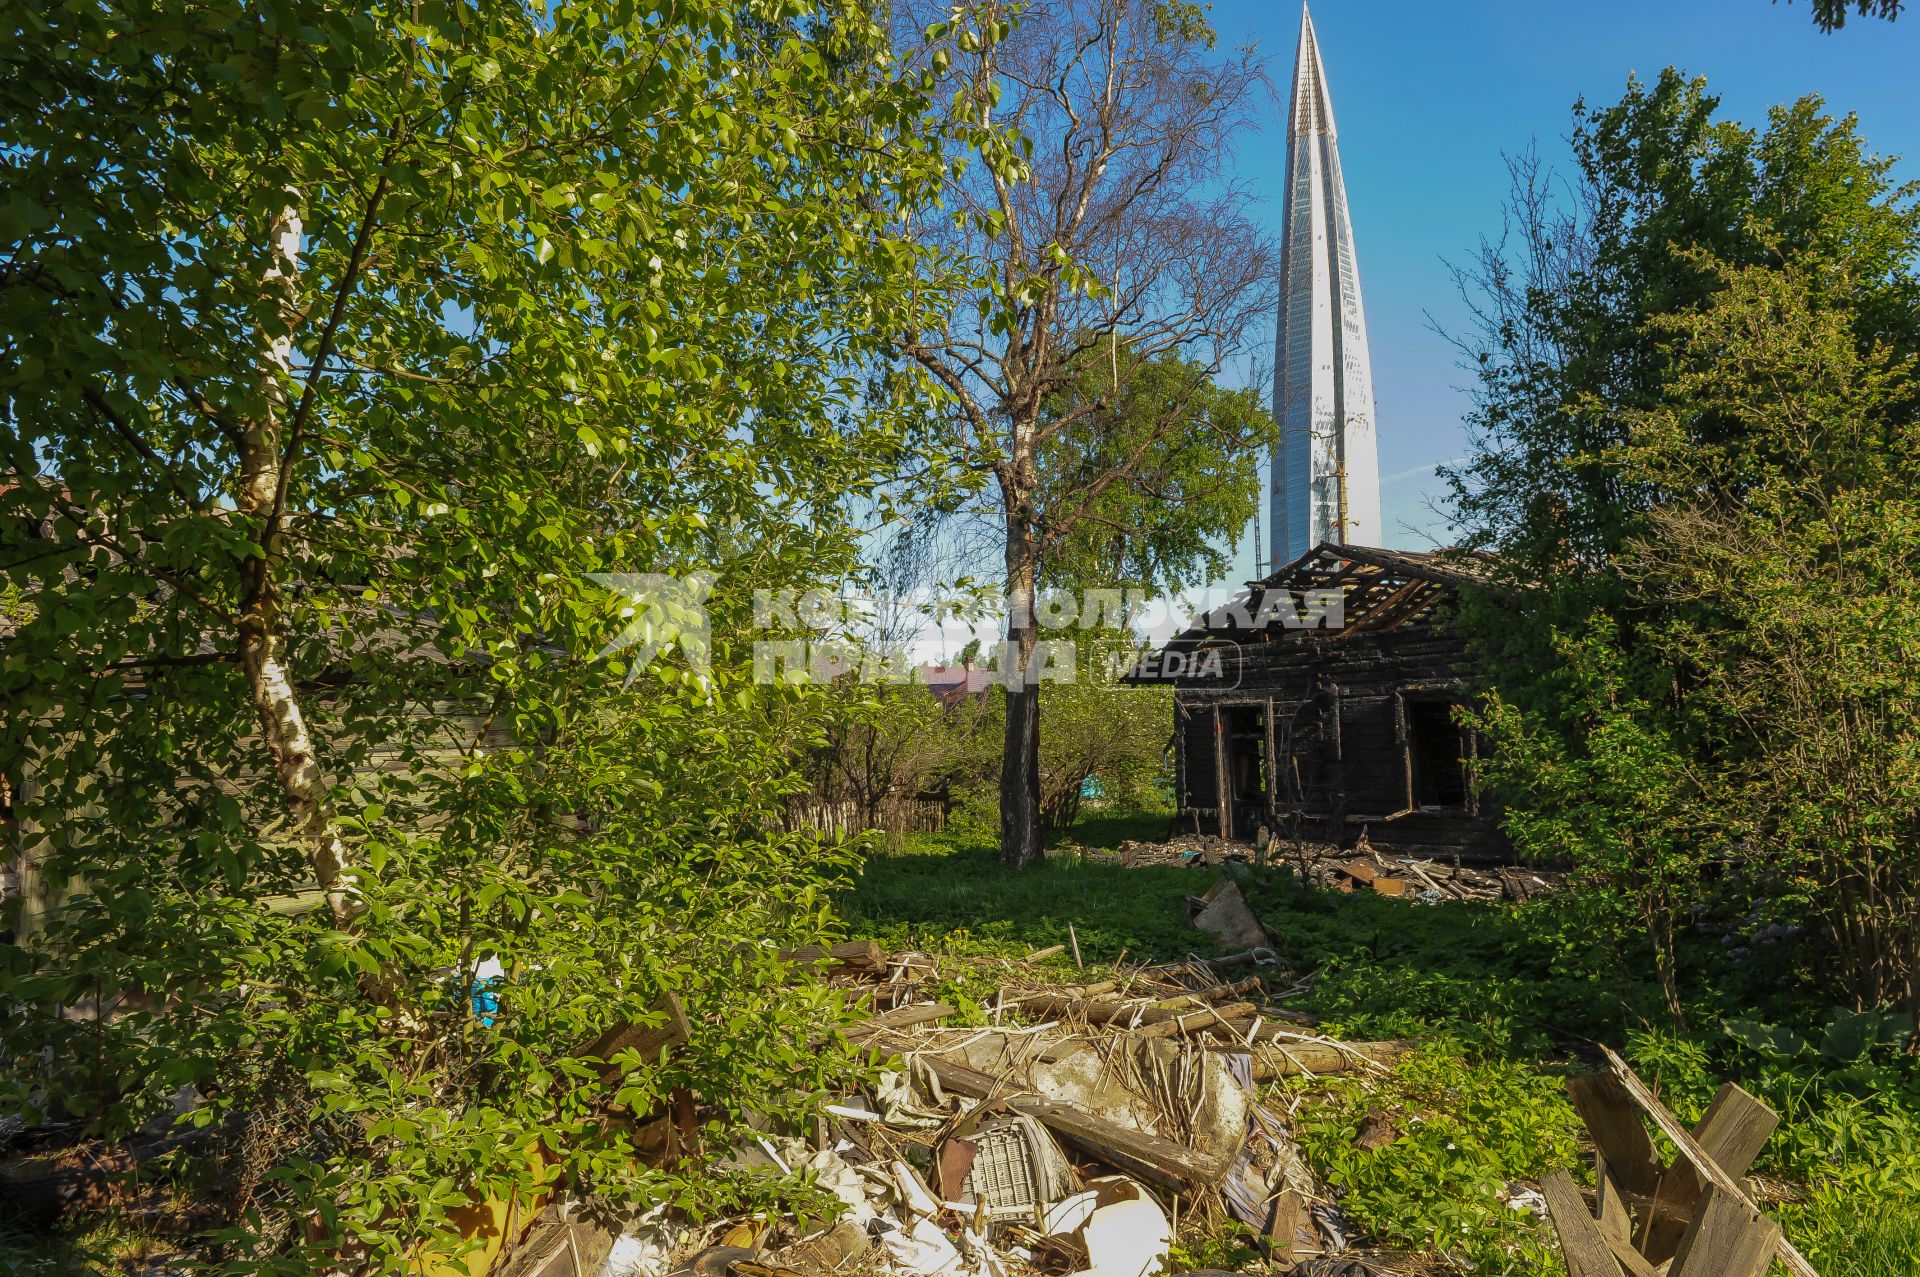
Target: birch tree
[1110, 236]
[340, 350]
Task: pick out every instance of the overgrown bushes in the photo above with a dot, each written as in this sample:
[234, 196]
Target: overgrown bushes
[1696, 459]
[347, 357]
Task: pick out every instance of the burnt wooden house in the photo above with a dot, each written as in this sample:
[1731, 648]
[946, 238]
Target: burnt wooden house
[1321, 703]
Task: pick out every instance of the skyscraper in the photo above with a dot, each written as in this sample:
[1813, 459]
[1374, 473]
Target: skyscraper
[1325, 482]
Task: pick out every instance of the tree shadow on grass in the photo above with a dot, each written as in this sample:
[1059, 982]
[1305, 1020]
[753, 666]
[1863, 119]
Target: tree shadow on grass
[950, 892]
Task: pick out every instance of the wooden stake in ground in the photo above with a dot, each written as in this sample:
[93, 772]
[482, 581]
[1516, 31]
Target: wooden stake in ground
[1074, 940]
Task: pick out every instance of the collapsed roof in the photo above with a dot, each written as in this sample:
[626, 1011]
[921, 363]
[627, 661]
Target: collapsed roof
[1381, 590]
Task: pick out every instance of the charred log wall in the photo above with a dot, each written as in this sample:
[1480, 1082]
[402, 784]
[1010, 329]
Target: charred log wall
[1342, 754]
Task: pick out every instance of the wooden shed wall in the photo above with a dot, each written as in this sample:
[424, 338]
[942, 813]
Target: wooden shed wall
[1339, 753]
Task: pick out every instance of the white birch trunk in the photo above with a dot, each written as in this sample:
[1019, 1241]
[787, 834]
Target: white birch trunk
[262, 637]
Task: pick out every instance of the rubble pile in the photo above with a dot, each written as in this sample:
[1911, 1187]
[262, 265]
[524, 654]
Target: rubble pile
[1067, 1134]
[1362, 867]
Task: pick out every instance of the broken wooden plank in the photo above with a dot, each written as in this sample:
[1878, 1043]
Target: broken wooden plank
[1216, 993]
[1581, 1240]
[1614, 1123]
[905, 1017]
[1734, 1129]
[1148, 1157]
[1631, 1261]
[1153, 1019]
[649, 1040]
[1610, 1203]
[1690, 1149]
[553, 1246]
[1160, 1022]
[1728, 1238]
[849, 957]
[1293, 1059]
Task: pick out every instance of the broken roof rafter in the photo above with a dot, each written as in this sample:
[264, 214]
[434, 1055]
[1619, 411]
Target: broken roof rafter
[1382, 589]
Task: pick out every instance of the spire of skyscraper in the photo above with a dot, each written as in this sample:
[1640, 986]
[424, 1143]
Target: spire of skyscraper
[1326, 472]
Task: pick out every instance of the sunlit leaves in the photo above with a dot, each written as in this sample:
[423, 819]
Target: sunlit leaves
[610, 313]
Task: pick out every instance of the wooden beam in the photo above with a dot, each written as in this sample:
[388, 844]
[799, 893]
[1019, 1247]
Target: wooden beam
[900, 1018]
[1734, 1129]
[1728, 1238]
[1222, 782]
[1581, 1240]
[1149, 1157]
[1690, 1149]
[649, 1040]
[1618, 1133]
[862, 957]
[1610, 1203]
[1631, 1261]
[1293, 1059]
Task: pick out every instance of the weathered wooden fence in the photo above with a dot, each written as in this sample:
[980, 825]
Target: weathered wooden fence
[848, 816]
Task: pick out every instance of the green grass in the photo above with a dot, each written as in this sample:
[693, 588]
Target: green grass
[1844, 1237]
[950, 893]
[1110, 828]
[1507, 999]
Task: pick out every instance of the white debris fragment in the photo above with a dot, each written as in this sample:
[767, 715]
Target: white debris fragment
[644, 1249]
[1530, 1200]
[1118, 1223]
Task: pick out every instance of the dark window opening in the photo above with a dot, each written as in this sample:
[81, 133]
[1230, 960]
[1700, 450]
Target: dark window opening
[1438, 747]
[1246, 732]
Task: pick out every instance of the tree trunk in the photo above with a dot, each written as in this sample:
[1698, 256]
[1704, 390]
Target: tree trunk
[261, 623]
[1020, 832]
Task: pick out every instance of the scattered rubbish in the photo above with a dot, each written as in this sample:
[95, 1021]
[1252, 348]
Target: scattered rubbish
[1119, 1226]
[644, 1249]
[1050, 1141]
[1530, 1200]
[1014, 1169]
[1364, 866]
[1223, 913]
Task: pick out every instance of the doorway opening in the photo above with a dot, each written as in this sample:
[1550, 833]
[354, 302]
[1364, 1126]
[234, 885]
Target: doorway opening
[1437, 747]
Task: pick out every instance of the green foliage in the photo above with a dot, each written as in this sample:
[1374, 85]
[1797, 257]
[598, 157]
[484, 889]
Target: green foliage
[1850, 1036]
[1150, 484]
[886, 740]
[341, 349]
[1695, 458]
[1467, 1132]
[1504, 982]
[1092, 729]
[1831, 15]
[1840, 1239]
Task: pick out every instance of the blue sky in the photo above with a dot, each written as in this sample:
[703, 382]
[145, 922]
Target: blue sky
[1428, 96]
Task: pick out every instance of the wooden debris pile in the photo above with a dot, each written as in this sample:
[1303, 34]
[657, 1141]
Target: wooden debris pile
[1361, 868]
[1064, 1122]
[1191, 850]
[1689, 1217]
[1149, 1073]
